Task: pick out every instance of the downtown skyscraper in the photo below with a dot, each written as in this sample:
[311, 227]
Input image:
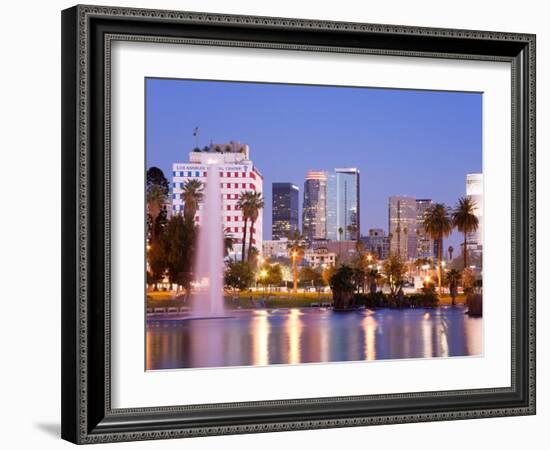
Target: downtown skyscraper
[402, 217]
[425, 245]
[343, 204]
[474, 190]
[284, 210]
[314, 214]
[331, 205]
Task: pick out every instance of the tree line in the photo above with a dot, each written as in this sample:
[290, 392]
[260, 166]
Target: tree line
[171, 242]
[171, 245]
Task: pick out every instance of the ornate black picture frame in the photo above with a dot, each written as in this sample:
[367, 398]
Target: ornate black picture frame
[87, 415]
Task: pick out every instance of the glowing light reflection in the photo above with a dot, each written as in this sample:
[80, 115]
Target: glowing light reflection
[369, 325]
[294, 331]
[427, 336]
[260, 344]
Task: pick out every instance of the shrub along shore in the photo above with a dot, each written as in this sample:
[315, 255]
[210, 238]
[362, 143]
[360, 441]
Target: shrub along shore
[258, 299]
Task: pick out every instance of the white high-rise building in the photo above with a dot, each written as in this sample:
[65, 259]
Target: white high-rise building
[237, 174]
[474, 190]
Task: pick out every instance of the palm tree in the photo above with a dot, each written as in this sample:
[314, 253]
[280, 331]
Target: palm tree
[452, 278]
[244, 205]
[405, 233]
[191, 195]
[155, 199]
[340, 233]
[256, 204]
[296, 249]
[465, 221]
[438, 225]
[228, 241]
[451, 250]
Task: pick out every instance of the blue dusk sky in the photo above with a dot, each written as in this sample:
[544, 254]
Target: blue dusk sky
[405, 142]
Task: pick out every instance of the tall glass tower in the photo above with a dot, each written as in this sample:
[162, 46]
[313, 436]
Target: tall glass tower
[314, 214]
[284, 210]
[343, 204]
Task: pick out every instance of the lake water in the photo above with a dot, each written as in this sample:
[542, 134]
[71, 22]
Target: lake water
[310, 335]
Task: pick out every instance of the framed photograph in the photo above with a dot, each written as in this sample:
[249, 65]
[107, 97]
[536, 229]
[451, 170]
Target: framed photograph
[279, 224]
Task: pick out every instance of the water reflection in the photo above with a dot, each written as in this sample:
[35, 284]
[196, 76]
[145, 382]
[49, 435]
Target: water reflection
[294, 332]
[260, 339]
[311, 335]
[369, 329]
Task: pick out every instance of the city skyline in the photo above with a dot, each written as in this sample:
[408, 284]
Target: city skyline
[436, 135]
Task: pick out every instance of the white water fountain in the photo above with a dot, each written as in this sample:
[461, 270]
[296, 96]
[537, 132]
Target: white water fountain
[207, 298]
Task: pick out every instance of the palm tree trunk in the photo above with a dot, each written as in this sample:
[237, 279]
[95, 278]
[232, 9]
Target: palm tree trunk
[250, 239]
[465, 252]
[439, 258]
[295, 274]
[244, 239]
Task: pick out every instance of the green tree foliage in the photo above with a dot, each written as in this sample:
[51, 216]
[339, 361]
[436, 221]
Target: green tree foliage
[274, 275]
[342, 279]
[244, 204]
[374, 279]
[361, 264]
[438, 225]
[394, 270]
[157, 261]
[256, 205]
[156, 181]
[452, 279]
[465, 221]
[327, 274]
[250, 203]
[179, 241]
[296, 251]
[155, 204]
[468, 280]
[238, 275]
[192, 195]
[155, 177]
[342, 285]
[309, 276]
